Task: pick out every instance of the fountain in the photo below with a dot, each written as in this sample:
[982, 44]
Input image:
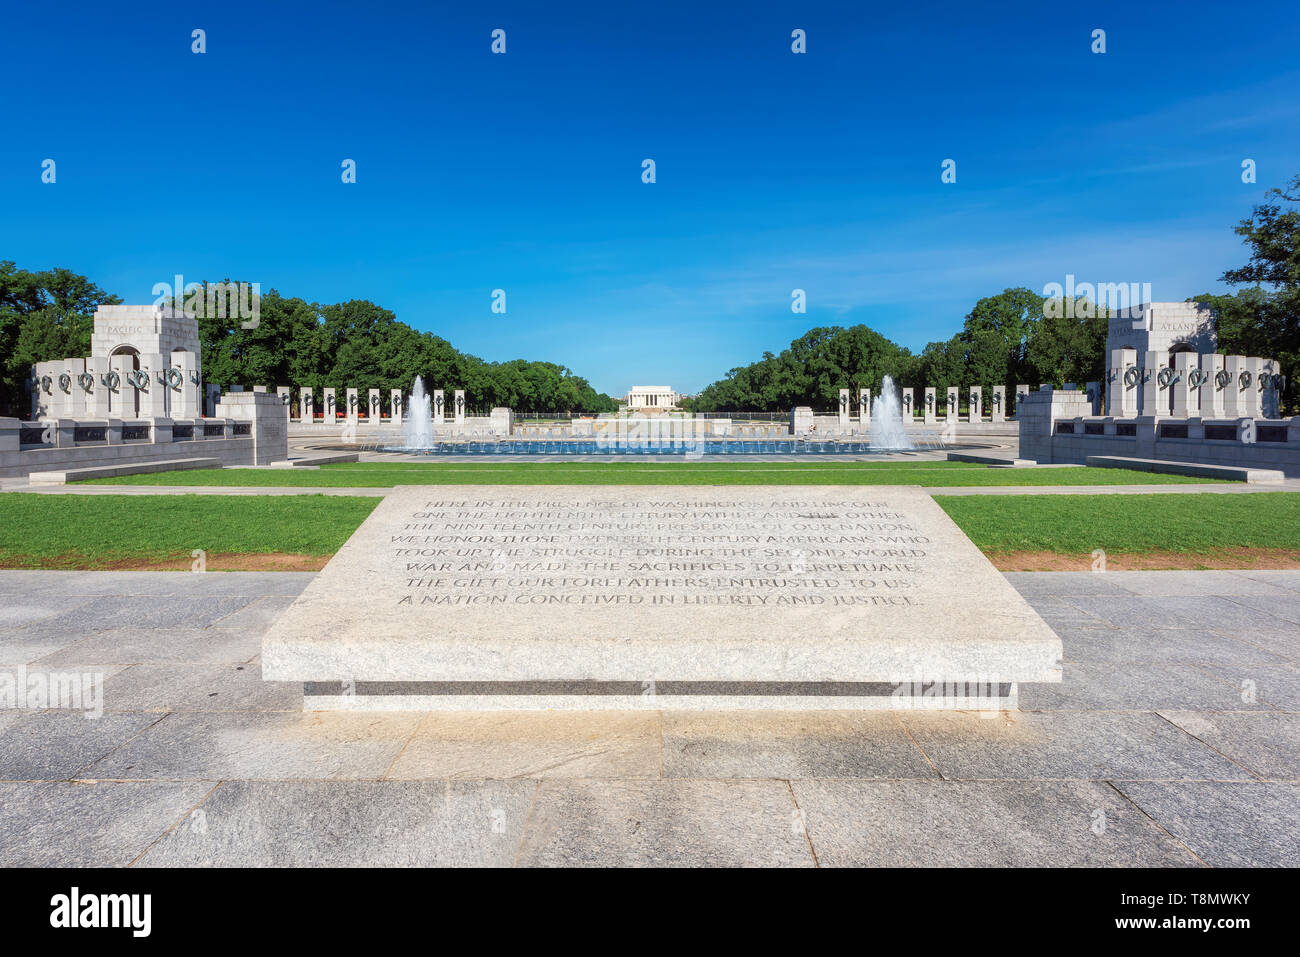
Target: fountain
[887, 431]
[417, 427]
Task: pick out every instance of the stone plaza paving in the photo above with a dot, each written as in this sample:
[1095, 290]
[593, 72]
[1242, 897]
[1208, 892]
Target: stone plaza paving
[1174, 740]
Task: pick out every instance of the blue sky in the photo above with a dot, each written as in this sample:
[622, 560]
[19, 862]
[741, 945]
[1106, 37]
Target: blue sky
[775, 171]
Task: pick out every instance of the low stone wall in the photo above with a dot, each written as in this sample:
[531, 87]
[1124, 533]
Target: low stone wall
[1056, 429]
[254, 435]
[385, 431]
[64, 452]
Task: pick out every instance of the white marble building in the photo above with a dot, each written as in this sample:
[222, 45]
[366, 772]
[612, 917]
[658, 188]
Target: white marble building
[651, 398]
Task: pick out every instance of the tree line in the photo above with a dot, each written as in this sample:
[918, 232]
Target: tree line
[1013, 337]
[49, 315]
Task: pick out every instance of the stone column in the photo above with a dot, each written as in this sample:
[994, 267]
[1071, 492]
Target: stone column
[306, 404]
[1093, 391]
[953, 398]
[1255, 392]
[353, 407]
[153, 397]
[1233, 405]
[1270, 402]
[999, 411]
[930, 412]
[864, 407]
[502, 421]
[1115, 385]
[459, 407]
[801, 419]
[843, 409]
[1022, 393]
[1186, 399]
[270, 423]
[135, 403]
[975, 413]
[373, 411]
[121, 402]
[1212, 392]
[907, 397]
[329, 405]
[438, 406]
[186, 401]
[70, 397]
[97, 399]
[395, 405]
[211, 399]
[1149, 398]
[286, 397]
[40, 402]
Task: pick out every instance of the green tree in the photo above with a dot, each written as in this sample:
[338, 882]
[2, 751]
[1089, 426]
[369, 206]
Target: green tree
[810, 372]
[995, 337]
[1264, 319]
[1068, 343]
[43, 316]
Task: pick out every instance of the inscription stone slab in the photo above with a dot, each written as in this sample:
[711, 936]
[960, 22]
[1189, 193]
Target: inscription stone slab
[464, 597]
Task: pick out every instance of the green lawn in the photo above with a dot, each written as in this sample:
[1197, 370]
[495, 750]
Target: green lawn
[89, 531]
[387, 474]
[99, 531]
[1078, 524]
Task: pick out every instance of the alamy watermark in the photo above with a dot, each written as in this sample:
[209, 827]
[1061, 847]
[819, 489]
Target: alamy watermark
[60, 690]
[212, 300]
[1071, 300]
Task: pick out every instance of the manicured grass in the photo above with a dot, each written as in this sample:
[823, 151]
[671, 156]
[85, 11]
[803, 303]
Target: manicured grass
[386, 474]
[1079, 524]
[106, 531]
[99, 531]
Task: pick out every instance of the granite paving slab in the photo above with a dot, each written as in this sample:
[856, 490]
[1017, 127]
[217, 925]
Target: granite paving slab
[785, 745]
[60, 824]
[664, 823]
[1196, 647]
[180, 584]
[1065, 584]
[1049, 745]
[532, 745]
[55, 745]
[1179, 584]
[351, 824]
[980, 824]
[1226, 824]
[259, 746]
[199, 687]
[1135, 686]
[1276, 685]
[1266, 744]
[133, 646]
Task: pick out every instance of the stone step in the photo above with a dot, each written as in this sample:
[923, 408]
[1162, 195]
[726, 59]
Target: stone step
[126, 468]
[1232, 473]
[989, 460]
[656, 696]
